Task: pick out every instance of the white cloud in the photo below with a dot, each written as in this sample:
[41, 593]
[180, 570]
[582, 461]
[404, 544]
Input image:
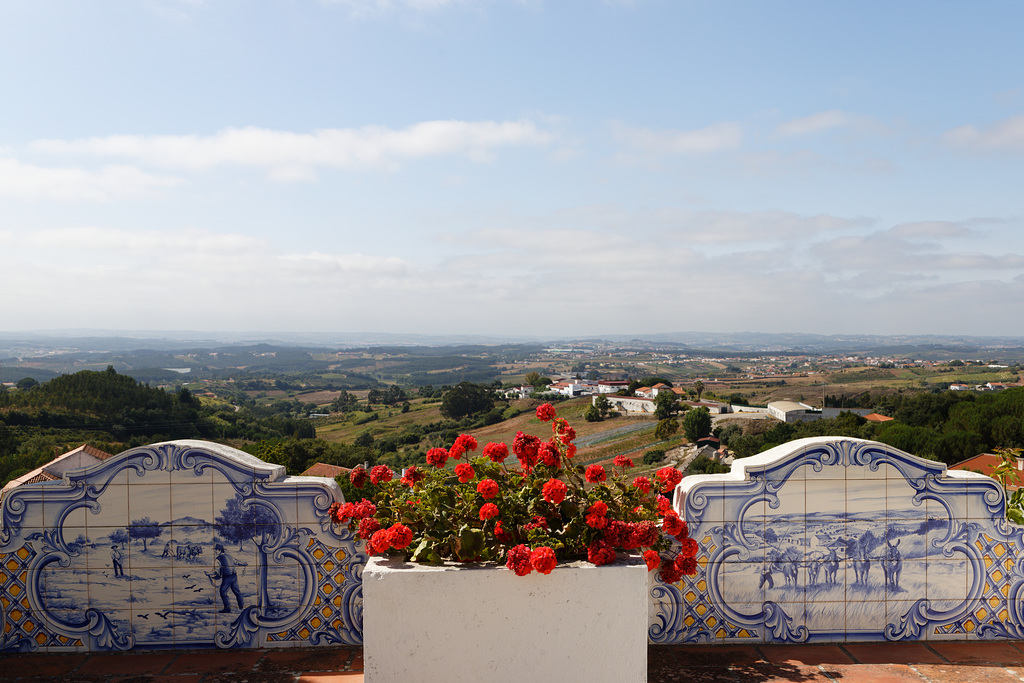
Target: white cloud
[295, 156]
[26, 181]
[814, 123]
[1006, 135]
[720, 136]
[930, 229]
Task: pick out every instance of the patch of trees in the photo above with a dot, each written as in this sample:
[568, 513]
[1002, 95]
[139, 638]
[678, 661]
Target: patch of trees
[467, 399]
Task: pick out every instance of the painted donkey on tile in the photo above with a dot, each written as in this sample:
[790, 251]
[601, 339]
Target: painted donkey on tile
[892, 565]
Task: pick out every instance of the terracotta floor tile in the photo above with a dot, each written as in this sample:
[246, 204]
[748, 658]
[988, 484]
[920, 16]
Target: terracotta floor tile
[41, 664]
[342, 677]
[805, 654]
[128, 664]
[964, 673]
[892, 653]
[778, 673]
[979, 653]
[717, 655]
[308, 661]
[214, 662]
[159, 678]
[872, 673]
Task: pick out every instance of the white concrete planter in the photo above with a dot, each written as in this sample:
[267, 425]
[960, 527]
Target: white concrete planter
[471, 623]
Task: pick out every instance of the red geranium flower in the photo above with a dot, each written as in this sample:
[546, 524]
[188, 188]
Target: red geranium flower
[600, 553]
[664, 505]
[500, 533]
[545, 412]
[687, 565]
[497, 452]
[643, 483]
[399, 535]
[380, 541]
[525, 447]
[539, 522]
[554, 491]
[595, 474]
[672, 525]
[464, 471]
[543, 559]
[358, 477]
[570, 451]
[488, 488]
[380, 474]
[688, 547]
[598, 507]
[669, 477]
[519, 560]
[488, 510]
[412, 476]
[652, 559]
[548, 453]
[368, 526]
[437, 457]
[334, 512]
[622, 461]
[669, 572]
[364, 508]
[466, 442]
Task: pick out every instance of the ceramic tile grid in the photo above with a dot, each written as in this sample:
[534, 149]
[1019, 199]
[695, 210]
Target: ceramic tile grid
[180, 544]
[843, 540]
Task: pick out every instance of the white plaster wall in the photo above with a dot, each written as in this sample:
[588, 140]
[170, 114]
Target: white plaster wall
[460, 623]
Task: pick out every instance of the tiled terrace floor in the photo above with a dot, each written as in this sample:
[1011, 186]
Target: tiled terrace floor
[852, 663]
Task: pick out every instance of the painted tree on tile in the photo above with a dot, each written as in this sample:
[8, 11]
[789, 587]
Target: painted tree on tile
[144, 529]
[249, 519]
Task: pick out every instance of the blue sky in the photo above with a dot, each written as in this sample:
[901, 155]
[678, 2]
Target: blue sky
[555, 167]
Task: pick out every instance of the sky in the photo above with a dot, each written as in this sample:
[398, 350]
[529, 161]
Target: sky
[512, 167]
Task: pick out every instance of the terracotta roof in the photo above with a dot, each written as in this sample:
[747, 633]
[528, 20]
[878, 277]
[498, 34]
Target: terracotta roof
[875, 417]
[322, 469]
[986, 463]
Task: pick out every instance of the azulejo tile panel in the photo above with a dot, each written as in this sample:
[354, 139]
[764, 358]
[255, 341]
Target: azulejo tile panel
[179, 544]
[836, 539]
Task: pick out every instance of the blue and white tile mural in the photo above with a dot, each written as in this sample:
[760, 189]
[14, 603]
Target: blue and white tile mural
[180, 544]
[831, 539]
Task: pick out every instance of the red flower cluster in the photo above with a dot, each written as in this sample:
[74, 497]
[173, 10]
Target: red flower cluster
[341, 513]
[596, 515]
[595, 474]
[488, 510]
[545, 412]
[397, 536]
[543, 559]
[672, 572]
[464, 471]
[632, 535]
[518, 560]
[668, 477]
[488, 488]
[643, 483]
[674, 526]
[412, 476]
[380, 474]
[502, 535]
[368, 526]
[497, 452]
[464, 443]
[437, 457]
[526, 446]
[539, 522]
[622, 461]
[600, 553]
[548, 453]
[653, 559]
[554, 491]
[358, 477]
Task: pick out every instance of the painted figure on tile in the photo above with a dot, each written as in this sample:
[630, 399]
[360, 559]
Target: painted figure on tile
[167, 549]
[892, 565]
[814, 568]
[116, 559]
[766, 574]
[228, 574]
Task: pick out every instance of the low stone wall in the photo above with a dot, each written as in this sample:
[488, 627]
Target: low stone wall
[193, 544]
